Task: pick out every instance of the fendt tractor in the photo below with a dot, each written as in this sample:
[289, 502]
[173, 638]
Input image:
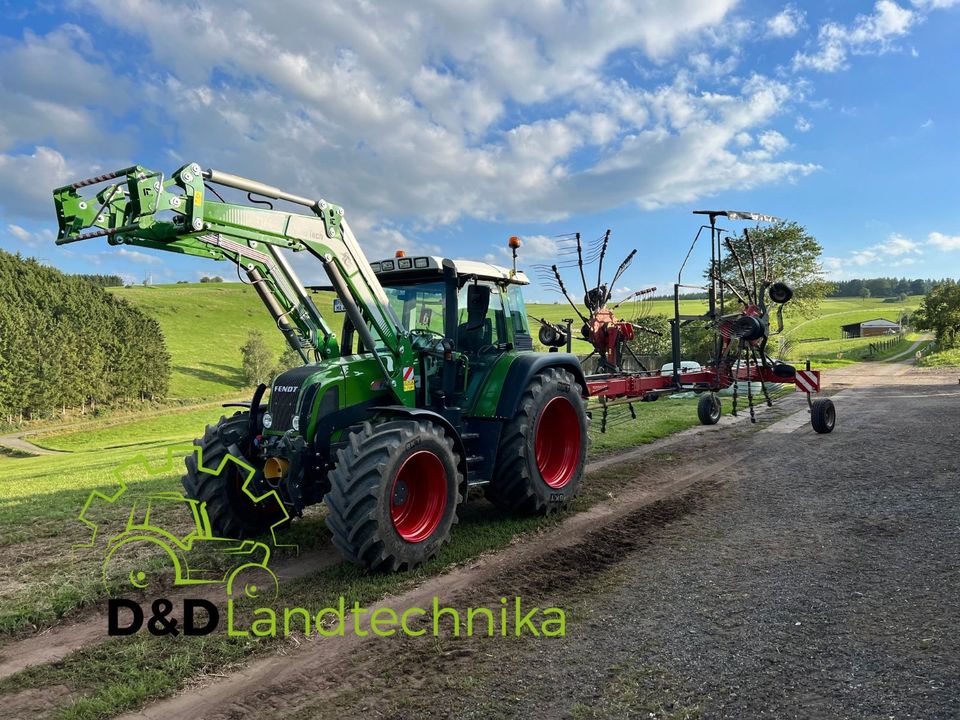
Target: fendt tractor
[431, 387]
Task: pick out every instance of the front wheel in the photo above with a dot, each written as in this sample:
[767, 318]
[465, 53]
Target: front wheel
[394, 494]
[543, 449]
[219, 475]
[823, 416]
[709, 409]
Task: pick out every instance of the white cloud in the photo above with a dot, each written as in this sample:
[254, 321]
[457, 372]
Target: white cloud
[944, 242]
[897, 245]
[43, 236]
[895, 251]
[802, 124]
[51, 88]
[416, 115]
[135, 256]
[538, 247]
[786, 23]
[868, 34]
[27, 181]
[934, 4]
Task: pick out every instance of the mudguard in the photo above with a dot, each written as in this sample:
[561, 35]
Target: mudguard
[525, 367]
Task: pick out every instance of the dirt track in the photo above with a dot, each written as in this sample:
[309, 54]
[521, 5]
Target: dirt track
[770, 572]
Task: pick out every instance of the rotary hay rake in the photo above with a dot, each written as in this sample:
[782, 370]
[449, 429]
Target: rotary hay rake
[742, 306]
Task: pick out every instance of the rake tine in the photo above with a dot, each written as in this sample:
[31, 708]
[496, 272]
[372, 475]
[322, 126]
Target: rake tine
[767, 270]
[603, 252]
[583, 276]
[733, 289]
[753, 261]
[763, 383]
[748, 351]
[743, 275]
[563, 289]
[620, 270]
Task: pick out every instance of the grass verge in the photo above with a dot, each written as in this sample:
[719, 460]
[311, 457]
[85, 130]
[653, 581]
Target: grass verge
[943, 358]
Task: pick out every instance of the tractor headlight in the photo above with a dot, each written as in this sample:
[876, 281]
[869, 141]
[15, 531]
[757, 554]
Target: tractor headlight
[267, 420]
[296, 422]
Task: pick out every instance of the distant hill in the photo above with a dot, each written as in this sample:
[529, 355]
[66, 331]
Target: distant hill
[205, 325]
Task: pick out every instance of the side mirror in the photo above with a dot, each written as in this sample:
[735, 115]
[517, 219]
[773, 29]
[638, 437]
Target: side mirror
[478, 302]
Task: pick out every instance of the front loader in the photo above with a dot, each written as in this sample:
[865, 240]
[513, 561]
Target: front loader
[431, 387]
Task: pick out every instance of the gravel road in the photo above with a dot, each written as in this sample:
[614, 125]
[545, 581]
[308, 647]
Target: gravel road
[817, 577]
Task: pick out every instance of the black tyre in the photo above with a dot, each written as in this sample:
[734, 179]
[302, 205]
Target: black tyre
[394, 494]
[823, 416]
[232, 511]
[709, 409]
[543, 449]
[781, 293]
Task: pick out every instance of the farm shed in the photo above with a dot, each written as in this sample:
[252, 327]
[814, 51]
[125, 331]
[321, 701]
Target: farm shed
[870, 328]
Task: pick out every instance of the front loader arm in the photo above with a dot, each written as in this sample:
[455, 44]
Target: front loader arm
[176, 215]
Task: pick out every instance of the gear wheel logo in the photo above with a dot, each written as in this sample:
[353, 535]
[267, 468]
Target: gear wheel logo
[137, 547]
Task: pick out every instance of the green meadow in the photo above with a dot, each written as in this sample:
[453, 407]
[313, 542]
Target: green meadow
[205, 324]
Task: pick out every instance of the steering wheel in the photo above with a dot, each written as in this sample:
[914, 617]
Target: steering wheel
[428, 332]
[432, 341]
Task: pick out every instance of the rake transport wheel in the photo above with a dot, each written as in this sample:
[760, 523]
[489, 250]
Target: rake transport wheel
[543, 449]
[394, 494]
[823, 415]
[709, 409]
[232, 512]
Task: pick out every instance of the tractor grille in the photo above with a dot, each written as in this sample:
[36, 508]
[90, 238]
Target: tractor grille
[285, 394]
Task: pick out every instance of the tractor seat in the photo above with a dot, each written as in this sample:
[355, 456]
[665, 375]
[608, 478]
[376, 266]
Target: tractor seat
[472, 340]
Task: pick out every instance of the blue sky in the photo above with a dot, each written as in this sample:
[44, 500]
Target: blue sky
[446, 127]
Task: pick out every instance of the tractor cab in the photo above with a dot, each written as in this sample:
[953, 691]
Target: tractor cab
[474, 308]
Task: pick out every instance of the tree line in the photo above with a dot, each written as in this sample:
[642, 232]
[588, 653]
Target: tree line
[65, 342]
[103, 280]
[881, 287]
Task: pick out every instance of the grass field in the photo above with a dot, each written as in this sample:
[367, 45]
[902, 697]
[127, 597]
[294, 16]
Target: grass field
[206, 323]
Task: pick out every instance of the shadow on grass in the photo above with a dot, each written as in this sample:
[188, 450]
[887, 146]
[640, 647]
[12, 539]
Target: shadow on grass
[222, 374]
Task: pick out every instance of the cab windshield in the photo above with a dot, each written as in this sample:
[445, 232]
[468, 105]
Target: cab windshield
[418, 306]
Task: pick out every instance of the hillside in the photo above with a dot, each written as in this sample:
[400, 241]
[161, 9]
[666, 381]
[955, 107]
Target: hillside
[206, 323]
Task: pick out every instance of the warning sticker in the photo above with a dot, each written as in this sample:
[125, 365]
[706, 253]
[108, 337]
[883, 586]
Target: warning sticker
[408, 381]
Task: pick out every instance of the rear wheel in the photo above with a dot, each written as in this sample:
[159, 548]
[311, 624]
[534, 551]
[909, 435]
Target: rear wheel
[219, 483]
[543, 449]
[709, 409]
[394, 494]
[823, 416]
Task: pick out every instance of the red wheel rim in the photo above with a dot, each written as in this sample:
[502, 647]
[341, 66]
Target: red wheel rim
[558, 442]
[418, 496]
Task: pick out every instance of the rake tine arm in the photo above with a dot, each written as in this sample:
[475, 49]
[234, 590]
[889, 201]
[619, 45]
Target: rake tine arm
[603, 252]
[743, 274]
[563, 289]
[753, 261]
[583, 276]
[623, 267]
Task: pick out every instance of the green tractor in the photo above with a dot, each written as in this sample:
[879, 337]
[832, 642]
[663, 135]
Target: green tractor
[432, 386]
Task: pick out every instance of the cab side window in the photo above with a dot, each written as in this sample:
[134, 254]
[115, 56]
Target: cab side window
[518, 317]
[491, 332]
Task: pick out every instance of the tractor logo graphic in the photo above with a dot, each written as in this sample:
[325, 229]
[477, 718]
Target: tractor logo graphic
[140, 543]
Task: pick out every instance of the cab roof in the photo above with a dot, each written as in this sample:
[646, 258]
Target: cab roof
[394, 269]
